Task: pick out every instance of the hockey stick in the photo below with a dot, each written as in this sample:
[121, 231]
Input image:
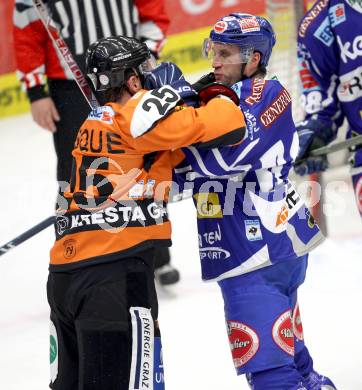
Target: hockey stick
[82, 83]
[324, 150]
[26, 235]
[65, 53]
[354, 141]
[50, 220]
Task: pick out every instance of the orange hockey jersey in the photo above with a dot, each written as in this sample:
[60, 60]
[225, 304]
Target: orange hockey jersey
[122, 171]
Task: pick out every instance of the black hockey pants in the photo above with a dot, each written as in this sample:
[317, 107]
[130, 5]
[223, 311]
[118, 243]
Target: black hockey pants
[91, 322]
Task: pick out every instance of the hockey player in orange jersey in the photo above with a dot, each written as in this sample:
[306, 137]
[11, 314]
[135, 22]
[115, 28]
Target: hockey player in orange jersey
[101, 285]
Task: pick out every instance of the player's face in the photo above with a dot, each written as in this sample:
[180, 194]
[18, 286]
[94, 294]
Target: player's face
[227, 70]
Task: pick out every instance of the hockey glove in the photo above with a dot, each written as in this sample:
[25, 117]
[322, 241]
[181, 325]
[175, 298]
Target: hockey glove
[164, 74]
[168, 73]
[313, 134]
[187, 93]
[205, 80]
[217, 90]
[208, 88]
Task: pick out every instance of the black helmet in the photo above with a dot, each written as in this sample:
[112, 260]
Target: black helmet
[109, 58]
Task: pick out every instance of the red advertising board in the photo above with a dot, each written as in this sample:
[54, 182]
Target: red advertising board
[185, 15]
[7, 61]
[191, 14]
[190, 21]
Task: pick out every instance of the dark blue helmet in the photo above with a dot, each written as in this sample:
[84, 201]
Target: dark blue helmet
[250, 32]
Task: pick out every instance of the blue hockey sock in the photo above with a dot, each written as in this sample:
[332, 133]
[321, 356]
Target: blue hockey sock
[303, 362]
[158, 379]
[279, 378]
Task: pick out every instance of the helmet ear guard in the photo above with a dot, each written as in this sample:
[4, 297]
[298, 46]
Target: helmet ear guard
[107, 79]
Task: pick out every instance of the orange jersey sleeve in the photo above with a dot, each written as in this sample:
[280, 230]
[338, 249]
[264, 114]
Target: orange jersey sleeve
[152, 121]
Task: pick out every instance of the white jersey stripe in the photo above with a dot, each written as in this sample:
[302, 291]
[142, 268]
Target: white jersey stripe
[116, 17]
[64, 18]
[103, 17]
[202, 166]
[77, 27]
[126, 19]
[92, 31]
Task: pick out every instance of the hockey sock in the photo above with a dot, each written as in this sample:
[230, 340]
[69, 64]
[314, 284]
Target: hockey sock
[279, 378]
[304, 362]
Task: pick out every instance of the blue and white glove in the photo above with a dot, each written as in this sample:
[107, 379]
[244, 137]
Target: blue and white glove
[168, 73]
[164, 74]
[313, 134]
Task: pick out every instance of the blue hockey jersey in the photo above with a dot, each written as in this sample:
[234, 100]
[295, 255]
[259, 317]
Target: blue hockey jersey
[249, 214]
[330, 62]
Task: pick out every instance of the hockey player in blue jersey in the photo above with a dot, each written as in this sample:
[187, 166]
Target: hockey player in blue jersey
[330, 67]
[255, 232]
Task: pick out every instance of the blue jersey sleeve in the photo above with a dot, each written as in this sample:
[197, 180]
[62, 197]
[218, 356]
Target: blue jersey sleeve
[271, 141]
[318, 62]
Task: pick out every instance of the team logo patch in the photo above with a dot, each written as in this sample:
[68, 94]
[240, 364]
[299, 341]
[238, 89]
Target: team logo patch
[283, 333]
[53, 352]
[220, 27]
[282, 216]
[249, 24]
[62, 224]
[337, 14]
[359, 194]
[324, 32]
[244, 342]
[69, 248]
[251, 124]
[104, 114]
[136, 192]
[310, 219]
[208, 205]
[252, 230]
[297, 323]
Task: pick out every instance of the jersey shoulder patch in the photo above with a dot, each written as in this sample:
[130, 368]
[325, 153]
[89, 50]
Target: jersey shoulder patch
[152, 107]
[104, 114]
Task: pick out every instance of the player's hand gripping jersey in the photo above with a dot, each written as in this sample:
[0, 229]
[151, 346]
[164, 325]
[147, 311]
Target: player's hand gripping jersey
[330, 62]
[122, 172]
[243, 191]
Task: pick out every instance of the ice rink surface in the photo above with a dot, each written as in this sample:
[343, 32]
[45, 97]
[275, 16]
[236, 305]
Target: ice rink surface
[196, 351]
